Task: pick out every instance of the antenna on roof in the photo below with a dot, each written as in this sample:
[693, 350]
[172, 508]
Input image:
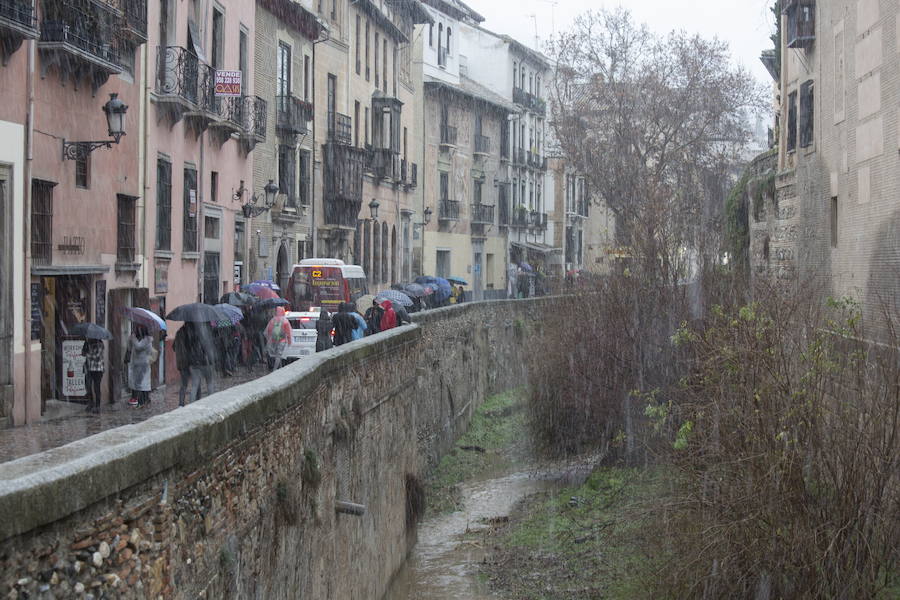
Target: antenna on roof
[537, 39]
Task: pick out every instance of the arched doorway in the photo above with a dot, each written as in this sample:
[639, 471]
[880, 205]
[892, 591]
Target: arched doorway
[282, 267]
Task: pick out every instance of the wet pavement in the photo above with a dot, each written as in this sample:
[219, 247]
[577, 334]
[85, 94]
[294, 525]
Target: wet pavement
[73, 422]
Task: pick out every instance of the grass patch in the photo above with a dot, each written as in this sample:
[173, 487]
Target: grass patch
[578, 542]
[497, 442]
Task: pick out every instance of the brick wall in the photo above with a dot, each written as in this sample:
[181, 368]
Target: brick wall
[234, 496]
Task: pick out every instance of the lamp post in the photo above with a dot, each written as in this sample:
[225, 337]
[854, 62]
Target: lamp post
[427, 215]
[115, 111]
[251, 208]
[373, 209]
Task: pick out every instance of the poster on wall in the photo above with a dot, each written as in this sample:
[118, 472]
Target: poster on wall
[192, 203]
[73, 382]
[228, 83]
[161, 277]
[37, 298]
[100, 303]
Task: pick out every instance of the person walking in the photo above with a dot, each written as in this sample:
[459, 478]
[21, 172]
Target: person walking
[202, 353]
[389, 318]
[94, 365]
[460, 294]
[140, 349]
[373, 318]
[323, 331]
[359, 332]
[278, 335]
[344, 324]
[454, 295]
[183, 348]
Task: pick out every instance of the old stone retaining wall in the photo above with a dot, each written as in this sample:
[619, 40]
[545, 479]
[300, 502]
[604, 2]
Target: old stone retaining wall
[234, 496]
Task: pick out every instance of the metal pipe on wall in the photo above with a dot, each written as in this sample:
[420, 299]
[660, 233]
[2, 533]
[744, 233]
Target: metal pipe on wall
[26, 227]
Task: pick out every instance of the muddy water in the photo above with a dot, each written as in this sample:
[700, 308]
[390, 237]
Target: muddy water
[443, 565]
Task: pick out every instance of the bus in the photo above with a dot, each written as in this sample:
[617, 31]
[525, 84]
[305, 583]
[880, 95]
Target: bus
[325, 283]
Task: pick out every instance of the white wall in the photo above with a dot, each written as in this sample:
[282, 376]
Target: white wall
[449, 73]
[488, 60]
[12, 152]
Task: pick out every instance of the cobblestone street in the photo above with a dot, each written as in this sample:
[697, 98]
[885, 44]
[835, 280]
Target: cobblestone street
[76, 423]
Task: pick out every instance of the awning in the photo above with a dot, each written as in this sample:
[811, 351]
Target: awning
[537, 247]
[54, 270]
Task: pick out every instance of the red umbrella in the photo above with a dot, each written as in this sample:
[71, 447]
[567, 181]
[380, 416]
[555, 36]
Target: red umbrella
[265, 293]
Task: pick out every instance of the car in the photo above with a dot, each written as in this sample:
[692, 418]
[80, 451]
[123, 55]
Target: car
[303, 334]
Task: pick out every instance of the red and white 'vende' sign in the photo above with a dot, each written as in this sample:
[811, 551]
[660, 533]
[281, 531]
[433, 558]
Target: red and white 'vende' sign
[228, 83]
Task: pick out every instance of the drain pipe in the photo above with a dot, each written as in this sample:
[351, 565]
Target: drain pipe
[26, 228]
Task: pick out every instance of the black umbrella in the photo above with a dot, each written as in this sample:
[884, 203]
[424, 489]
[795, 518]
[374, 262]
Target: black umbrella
[273, 302]
[197, 313]
[414, 290]
[90, 331]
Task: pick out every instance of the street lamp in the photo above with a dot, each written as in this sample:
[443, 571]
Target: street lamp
[373, 209]
[427, 214]
[250, 209]
[115, 111]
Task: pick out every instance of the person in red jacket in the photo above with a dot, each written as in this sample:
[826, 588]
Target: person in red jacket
[389, 318]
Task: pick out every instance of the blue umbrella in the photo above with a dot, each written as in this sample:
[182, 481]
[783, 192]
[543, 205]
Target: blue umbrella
[233, 313]
[272, 303]
[266, 283]
[394, 296]
[457, 280]
[441, 286]
[414, 290]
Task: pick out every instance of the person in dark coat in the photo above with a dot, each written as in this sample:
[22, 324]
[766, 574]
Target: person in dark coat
[182, 347]
[344, 324]
[373, 318]
[402, 315]
[323, 331]
[94, 366]
[202, 358]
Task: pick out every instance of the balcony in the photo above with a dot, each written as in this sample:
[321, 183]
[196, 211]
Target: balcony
[537, 220]
[519, 157]
[448, 210]
[482, 214]
[292, 115]
[801, 23]
[17, 24]
[253, 121]
[184, 86]
[520, 217]
[340, 129]
[343, 179]
[535, 161]
[384, 164]
[413, 176]
[482, 145]
[80, 41]
[448, 136]
[135, 23]
[408, 174]
[529, 101]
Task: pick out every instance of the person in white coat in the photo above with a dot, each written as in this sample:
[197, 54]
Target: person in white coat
[140, 350]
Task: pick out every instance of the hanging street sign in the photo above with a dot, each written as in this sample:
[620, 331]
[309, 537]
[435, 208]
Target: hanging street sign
[228, 83]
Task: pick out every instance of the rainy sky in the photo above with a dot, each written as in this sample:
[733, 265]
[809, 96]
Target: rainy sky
[744, 24]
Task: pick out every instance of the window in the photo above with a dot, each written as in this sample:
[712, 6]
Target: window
[305, 177]
[190, 210]
[242, 59]
[239, 237]
[445, 186]
[792, 121]
[515, 73]
[807, 114]
[367, 50]
[83, 170]
[334, 10]
[41, 222]
[431, 35]
[214, 186]
[477, 188]
[801, 23]
[377, 46]
[218, 40]
[283, 83]
[332, 104]
[356, 46]
[211, 228]
[366, 126]
[286, 168]
[443, 263]
[449, 47]
[306, 78]
[125, 248]
[834, 221]
[384, 67]
[163, 205]
[356, 123]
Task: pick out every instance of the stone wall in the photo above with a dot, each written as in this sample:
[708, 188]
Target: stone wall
[234, 496]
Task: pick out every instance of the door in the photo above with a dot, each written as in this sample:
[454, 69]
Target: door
[211, 277]
[282, 267]
[477, 270]
[332, 104]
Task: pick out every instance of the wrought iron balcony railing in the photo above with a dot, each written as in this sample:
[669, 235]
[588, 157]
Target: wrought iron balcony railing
[340, 129]
[182, 75]
[18, 15]
[482, 214]
[482, 144]
[448, 210]
[135, 12]
[529, 101]
[448, 135]
[98, 46]
[292, 115]
[520, 217]
[253, 118]
[538, 220]
[383, 163]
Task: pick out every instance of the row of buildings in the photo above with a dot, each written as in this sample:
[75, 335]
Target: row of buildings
[160, 152]
[826, 203]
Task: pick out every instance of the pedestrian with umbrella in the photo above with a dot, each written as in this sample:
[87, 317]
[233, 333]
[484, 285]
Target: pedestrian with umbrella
[323, 331]
[344, 324]
[202, 352]
[95, 365]
[278, 336]
[139, 356]
[359, 332]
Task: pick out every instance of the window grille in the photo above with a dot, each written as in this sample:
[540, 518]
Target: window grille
[190, 210]
[125, 250]
[41, 222]
[163, 205]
